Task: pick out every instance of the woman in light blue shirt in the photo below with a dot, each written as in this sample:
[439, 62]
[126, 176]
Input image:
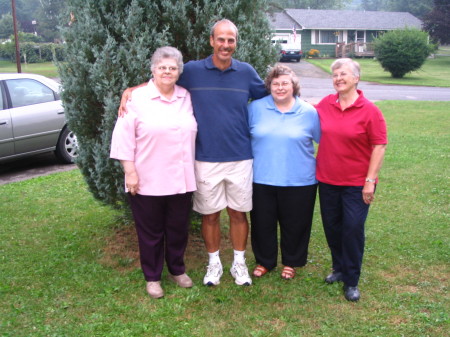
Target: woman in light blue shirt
[283, 131]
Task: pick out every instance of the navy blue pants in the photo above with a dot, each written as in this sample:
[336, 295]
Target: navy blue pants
[292, 207]
[343, 215]
[162, 226]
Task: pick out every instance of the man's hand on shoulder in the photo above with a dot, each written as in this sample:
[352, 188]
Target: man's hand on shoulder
[126, 96]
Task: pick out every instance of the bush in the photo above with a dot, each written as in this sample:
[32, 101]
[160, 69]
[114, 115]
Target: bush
[313, 53]
[402, 51]
[108, 46]
[27, 37]
[33, 52]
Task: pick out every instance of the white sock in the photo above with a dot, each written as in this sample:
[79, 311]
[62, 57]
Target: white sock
[239, 256]
[214, 258]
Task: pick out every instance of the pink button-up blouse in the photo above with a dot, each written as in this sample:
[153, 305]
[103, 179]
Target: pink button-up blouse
[158, 135]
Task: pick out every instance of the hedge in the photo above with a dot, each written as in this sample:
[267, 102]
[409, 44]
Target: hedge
[33, 52]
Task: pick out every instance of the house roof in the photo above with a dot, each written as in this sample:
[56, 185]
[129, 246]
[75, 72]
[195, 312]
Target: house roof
[343, 19]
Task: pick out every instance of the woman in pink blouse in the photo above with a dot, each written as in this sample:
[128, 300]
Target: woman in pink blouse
[155, 142]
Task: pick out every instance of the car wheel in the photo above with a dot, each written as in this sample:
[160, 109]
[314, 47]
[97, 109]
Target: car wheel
[298, 60]
[67, 147]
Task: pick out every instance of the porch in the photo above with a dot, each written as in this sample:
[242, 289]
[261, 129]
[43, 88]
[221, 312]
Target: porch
[354, 49]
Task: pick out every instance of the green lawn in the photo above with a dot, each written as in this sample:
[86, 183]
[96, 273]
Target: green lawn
[46, 69]
[444, 50]
[69, 268]
[435, 72]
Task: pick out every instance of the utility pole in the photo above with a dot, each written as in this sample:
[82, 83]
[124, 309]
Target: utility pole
[16, 36]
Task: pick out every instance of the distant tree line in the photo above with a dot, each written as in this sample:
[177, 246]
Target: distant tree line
[41, 17]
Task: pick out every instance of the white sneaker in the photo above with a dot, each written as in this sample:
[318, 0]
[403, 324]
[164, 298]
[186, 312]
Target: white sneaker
[213, 274]
[240, 273]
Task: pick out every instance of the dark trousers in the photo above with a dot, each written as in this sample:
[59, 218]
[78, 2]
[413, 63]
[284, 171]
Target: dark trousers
[293, 208]
[343, 215]
[162, 224]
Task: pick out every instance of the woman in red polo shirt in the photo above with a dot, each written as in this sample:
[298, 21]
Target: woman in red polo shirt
[349, 158]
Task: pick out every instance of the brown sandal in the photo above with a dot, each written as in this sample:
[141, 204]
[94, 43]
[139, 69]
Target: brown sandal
[260, 271]
[288, 273]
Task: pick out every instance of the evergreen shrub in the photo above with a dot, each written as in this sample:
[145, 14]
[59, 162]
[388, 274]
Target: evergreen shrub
[108, 46]
[402, 51]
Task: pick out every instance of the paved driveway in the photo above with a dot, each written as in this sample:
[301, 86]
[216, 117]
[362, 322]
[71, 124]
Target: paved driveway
[316, 84]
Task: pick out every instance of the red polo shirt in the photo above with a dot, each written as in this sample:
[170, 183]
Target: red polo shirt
[347, 139]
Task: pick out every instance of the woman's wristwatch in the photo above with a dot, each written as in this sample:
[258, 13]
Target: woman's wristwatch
[368, 180]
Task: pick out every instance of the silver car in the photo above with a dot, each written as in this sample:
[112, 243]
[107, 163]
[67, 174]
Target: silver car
[32, 118]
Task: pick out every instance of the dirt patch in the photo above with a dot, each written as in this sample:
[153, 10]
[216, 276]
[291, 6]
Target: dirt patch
[121, 251]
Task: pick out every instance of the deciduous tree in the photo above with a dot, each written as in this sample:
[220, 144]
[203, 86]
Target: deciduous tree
[437, 22]
[6, 26]
[312, 4]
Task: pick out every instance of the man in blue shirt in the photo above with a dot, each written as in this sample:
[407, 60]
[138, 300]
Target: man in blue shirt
[220, 88]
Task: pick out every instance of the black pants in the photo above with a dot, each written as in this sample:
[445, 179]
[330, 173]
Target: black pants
[343, 215]
[293, 208]
[162, 226]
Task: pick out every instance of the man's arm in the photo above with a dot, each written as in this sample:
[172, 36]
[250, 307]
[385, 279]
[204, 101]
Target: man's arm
[126, 96]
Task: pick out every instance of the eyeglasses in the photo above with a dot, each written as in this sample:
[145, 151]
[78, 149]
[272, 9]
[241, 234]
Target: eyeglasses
[283, 84]
[165, 68]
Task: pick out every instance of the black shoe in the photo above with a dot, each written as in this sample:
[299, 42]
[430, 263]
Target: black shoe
[333, 277]
[351, 293]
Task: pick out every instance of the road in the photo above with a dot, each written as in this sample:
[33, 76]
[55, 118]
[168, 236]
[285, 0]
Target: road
[31, 167]
[315, 84]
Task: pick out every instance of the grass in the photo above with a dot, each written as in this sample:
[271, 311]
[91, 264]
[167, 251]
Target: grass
[68, 268]
[46, 69]
[444, 50]
[435, 72]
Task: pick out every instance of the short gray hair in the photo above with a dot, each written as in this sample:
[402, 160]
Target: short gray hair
[213, 28]
[354, 66]
[167, 53]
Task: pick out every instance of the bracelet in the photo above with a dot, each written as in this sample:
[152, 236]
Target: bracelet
[368, 180]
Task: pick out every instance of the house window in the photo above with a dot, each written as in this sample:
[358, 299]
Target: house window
[282, 39]
[377, 34]
[328, 36]
[360, 36]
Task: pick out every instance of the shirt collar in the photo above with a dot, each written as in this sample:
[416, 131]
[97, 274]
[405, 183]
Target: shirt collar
[271, 105]
[210, 64]
[155, 93]
[357, 104]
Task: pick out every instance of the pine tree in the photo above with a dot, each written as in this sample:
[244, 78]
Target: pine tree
[108, 46]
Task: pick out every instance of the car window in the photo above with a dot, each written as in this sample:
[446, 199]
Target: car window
[27, 92]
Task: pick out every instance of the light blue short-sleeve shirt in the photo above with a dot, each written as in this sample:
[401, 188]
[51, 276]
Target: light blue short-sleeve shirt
[283, 143]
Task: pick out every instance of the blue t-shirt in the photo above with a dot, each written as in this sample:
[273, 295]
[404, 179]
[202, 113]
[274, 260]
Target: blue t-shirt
[282, 143]
[220, 100]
